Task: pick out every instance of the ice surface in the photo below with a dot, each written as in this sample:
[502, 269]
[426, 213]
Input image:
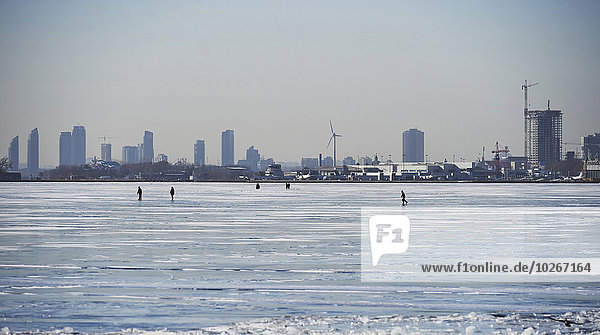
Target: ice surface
[91, 257]
[585, 322]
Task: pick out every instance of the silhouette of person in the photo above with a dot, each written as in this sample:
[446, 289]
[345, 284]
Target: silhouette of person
[287, 186]
[172, 192]
[257, 186]
[139, 192]
[403, 196]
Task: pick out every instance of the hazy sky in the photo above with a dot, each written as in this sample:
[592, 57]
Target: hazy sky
[277, 71]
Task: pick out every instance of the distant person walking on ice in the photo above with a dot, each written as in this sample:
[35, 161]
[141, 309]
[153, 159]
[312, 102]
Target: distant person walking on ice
[403, 196]
[172, 193]
[257, 186]
[139, 192]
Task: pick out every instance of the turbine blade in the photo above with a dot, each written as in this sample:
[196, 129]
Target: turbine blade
[331, 125]
[329, 141]
[338, 135]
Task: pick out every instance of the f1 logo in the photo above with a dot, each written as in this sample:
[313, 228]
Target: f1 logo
[389, 234]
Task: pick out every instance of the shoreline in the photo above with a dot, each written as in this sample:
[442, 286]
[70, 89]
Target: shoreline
[312, 181]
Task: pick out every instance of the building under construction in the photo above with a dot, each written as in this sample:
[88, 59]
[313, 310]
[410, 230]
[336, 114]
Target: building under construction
[543, 134]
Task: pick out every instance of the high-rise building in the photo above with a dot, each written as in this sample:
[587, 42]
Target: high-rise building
[78, 145]
[106, 152]
[130, 154]
[227, 154]
[33, 153]
[65, 149]
[140, 154]
[148, 149]
[413, 145]
[327, 161]
[590, 146]
[543, 136]
[252, 158]
[13, 154]
[199, 156]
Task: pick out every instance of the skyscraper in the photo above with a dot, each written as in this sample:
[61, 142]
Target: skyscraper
[33, 153]
[252, 158]
[227, 154]
[140, 153]
[13, 154]
[106, 152]
[130, 154]
[199, 156]
[413, 145]
[148, 150]
[64, 149]
[78, 146]
[543, 136]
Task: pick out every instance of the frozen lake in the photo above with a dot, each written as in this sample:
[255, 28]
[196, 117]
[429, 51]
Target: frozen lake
[91, 257]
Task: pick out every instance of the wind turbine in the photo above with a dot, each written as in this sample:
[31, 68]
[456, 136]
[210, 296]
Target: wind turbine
[333, 136]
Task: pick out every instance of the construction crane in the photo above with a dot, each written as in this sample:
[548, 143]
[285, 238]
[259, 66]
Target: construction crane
[498, 151]
[525, 109]
[103, 138]
[524, 88]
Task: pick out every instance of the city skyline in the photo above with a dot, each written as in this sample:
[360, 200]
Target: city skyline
[412, 143]
[276, 73]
